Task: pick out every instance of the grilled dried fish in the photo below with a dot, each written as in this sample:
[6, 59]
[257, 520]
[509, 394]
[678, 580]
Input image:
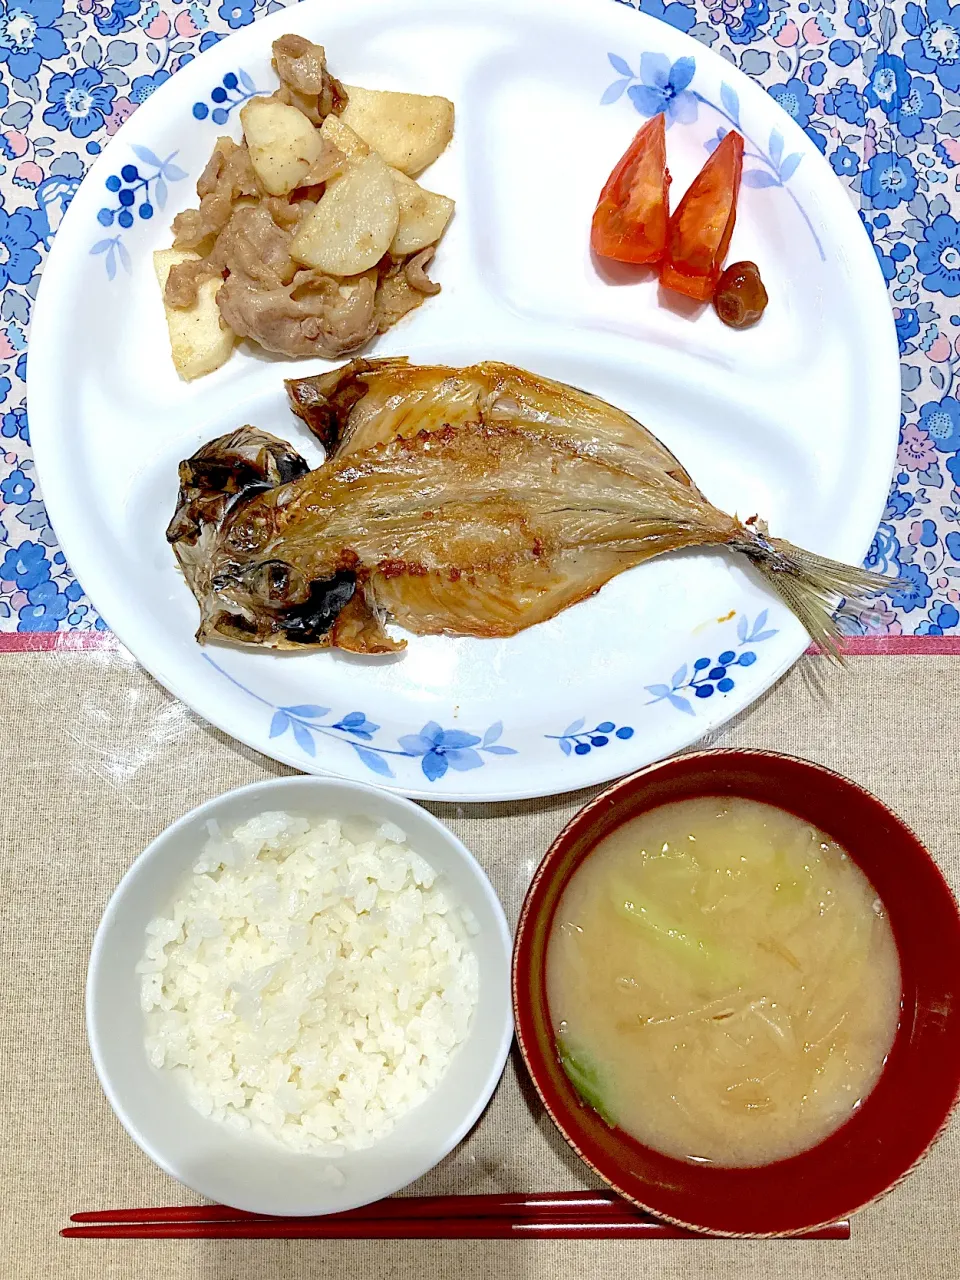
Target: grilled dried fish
[474, 501]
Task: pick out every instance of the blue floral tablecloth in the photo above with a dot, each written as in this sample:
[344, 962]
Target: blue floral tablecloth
[876, 86]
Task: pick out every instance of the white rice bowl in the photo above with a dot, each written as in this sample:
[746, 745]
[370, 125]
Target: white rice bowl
[246, 1166]
[309, 983]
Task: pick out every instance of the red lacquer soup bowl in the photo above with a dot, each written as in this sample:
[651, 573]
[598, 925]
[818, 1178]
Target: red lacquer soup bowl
[917, 1089]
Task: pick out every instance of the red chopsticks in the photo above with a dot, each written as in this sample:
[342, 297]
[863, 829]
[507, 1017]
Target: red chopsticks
[574, 1215]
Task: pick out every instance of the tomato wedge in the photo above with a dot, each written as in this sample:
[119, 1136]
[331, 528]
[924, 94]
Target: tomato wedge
[630, 221]
[699, 232]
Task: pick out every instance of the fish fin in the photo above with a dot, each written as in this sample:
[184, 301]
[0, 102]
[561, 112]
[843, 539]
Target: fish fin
[358, 628]
[324, 402]
[811, 586]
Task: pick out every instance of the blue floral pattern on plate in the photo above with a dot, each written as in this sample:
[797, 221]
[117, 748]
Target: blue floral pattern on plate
[236, 88]
[436, 748]
[875, 85]
[708, 676]
[136, 193]
[580, 741]
[439, 749]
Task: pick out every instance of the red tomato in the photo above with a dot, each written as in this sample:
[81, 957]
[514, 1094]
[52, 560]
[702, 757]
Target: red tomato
[630, 222]
[699, 232]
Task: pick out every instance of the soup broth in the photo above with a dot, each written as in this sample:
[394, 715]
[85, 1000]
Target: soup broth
[723, 982]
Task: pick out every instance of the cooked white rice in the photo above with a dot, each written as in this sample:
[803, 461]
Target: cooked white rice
[308, 985]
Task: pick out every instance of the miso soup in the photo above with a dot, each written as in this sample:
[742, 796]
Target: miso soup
[723, 982]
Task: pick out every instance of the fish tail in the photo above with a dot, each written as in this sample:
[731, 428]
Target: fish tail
[810, 585]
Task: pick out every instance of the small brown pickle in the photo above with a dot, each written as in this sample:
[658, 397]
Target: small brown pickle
[740, 298]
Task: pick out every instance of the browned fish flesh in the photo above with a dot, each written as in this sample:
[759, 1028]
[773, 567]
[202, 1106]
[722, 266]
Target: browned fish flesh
[476, 501]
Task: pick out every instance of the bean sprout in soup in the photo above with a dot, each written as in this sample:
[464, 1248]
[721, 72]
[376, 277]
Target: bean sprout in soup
[723, 982]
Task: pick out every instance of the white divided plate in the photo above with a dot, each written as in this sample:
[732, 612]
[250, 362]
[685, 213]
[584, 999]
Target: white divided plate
[796, 419]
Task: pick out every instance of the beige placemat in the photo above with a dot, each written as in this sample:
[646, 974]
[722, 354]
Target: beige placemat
[95, 759]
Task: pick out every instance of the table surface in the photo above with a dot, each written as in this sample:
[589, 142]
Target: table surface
[95, 759]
